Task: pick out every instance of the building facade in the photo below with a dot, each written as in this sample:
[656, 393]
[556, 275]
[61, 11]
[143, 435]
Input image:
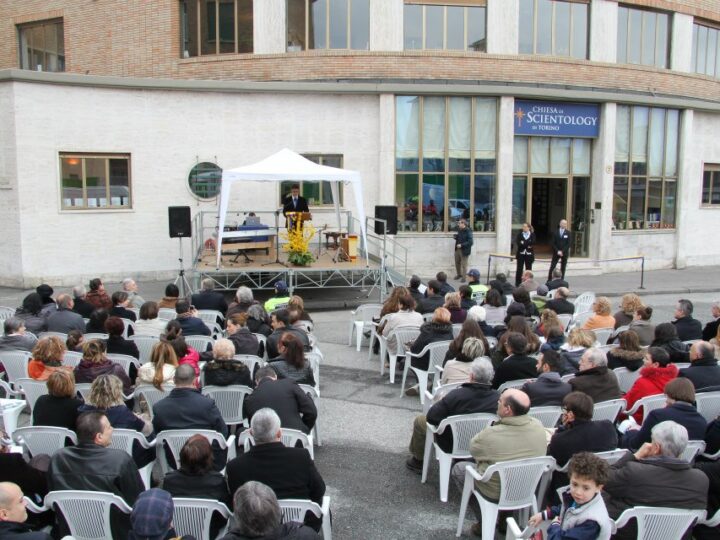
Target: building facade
[497, 111]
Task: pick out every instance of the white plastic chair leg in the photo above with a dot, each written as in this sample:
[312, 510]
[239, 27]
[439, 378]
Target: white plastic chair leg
[393, 367]
[146, 474]
[427, 455]
[464, 500]
[489, 513]
[358, 335]
[445, 462]
[350, 334]
[422, 384]
[406, 368]
[316, 434]
[326, 524]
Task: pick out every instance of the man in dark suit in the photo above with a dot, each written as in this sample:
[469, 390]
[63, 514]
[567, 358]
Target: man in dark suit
[557, 281]
[207, 298]
[561, 248]
[548, 388]
[294, 407]
[289, 472]
[517, 365]
[190, 324]
[81, 306]
[711, 329]
[687, 327]
[560, 304]
[704, 370]
[294, 202]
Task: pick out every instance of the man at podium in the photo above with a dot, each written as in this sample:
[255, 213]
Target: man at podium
[294, 203]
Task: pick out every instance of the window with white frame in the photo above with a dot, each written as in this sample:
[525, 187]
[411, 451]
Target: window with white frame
[444, 27]
[95, 181]
[42, 46]
[555, 27]
[706, 50]
[328, 24]
[711, 185]
[643, 37]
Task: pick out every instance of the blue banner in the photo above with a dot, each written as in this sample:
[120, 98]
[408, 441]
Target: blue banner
[550, 119]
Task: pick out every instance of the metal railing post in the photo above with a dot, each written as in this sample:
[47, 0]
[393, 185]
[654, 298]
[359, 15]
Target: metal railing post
[642, 272]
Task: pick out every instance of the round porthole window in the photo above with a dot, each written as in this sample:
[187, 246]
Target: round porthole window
[204, 180]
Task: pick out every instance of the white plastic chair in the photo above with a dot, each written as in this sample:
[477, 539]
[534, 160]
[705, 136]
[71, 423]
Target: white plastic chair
[606, 348]
[439, 391]
[374, 335]
[87, 513]
[608, 410]
[229, 401]
[517, 383]
[478, 297]
[708, 404]
[151, 395]
[655, 522]
[99, 336]
[61, 335]
[6, 313]
[610, 456]
[566, 320]
[176, 438]
[456, 330]
[548, 416]
[581, 318]
[250, 360]
[135, 310]
[193, 516]
[492, 343]
[167, 314]
[626, 378]
[32, 390]
[583, 302]
[648, 403]
[295, 510]
[11, 408]
[290, 438]
[692, 450]
[210, 316]
[72, 359]
[84, 390]
[566, 378]
[200, 343]
[43, 439]
[145, 345]
[428, 317]
[16, 365]
[403, 335]
[124, 360]
[603, 334]
[123, 439]
[262, 338]
[128, 324]
[314, 394]
[437, 351]
[518, 481]
[711, 522]
[360, 320]
[682, 365]
[463, 427]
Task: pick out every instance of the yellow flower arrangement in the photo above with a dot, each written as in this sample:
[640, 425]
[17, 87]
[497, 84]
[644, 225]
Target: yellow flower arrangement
[298, 243]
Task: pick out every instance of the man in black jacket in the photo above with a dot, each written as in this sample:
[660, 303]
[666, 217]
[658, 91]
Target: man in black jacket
[82, 307]
[560, 303]
[435, 297]
[557, 281]
[190, 324]
[415, 282]
[280, 322]
[548, 388]
[207, 298]
[500, 283]
[13, 515]
[704, 370]
[594, 377]
[711, 329]
[687, 327]
[561, 248]
[294, 407]
[463, 247]
[517, 365]
[475, 396]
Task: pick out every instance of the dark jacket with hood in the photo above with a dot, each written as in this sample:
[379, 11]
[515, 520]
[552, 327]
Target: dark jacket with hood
[87, 371]
[678, 351]
[632, 360]
[702, 373]
[291, 530]
[429, 333]
[598, 382]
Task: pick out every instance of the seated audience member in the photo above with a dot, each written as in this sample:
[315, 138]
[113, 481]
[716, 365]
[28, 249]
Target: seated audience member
[413, 289]
[478, 314]
[521, 305]
[94, 363]
[628, 353]
[257, 320]
[257, 515]
[666, 338]
[629, 304]
[243, 300]
[392, 303]
[495, 311]
[712, 471]
[434, 297]
[116, 343]
[474, 281]
[557, 281]
[458, 370]
[520, 325]
[578, 341]
[80, 306]
[715, 342]
[190, 324]
[548, 388]
[64, 319]
[554, 340]
[704, 370]
[160, 370]
[289, 472]
[93, 466]
[172, 294]
[680, 408]
[15, 337]
[517, 365]
[47, 357]
[244, 341]
[439, 329]
[642, 326]
[687, 327]
[594, 377]
[152, 515]
[13, 515]
[711, 328]
[601, 317]
[656, 372]
[130, 287]
[583, 513]
[474, 396]
[297, 323]
[445, 287]
[223, 370]
[148, 324]
[560, 303]
[655, 476]
[48, 302]
[404, 316]
[548, 318]
[281, 325]
[466, 300]
[515, 436]
[208, 298]
[296, 302]
[30, 313]
[528, 282]
[292, 364]
[185, 353]
[294, 407]
[469, 329]
[501, 285]
[452, 304]
[75, 341]
[281, 298]
[540, 299]
[120, 303]
[59, 407]
[96, 323]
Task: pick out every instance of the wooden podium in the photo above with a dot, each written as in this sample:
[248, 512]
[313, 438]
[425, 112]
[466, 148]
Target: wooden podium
[293, 217]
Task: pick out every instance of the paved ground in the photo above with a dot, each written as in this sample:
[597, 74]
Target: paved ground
[365, 424]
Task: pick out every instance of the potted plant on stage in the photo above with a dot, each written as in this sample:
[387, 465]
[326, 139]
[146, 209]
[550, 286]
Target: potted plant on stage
[298, 239]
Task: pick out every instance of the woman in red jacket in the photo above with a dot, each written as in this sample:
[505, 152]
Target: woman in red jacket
[656, 372]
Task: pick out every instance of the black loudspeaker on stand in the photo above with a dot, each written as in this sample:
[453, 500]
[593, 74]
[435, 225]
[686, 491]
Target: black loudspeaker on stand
[179, 221]
[389, 214]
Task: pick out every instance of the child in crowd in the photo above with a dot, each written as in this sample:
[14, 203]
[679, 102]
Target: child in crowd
[583, 515]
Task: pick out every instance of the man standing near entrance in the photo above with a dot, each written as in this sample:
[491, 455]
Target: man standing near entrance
[463, 247]
[561, 248]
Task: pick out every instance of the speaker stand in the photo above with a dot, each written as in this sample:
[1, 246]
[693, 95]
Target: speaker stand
[185, 287]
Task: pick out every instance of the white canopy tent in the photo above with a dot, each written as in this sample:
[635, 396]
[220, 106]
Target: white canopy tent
[286, 165]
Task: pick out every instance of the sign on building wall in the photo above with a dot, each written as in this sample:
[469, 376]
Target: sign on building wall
[548, 119]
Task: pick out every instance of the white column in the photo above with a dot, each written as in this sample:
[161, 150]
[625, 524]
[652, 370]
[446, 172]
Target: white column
[681, 42]
[687, 198]
[269, 23]
[603, 164]
[603, 30]
[502, 26]
[386, 160]
[386, 25]
[503, 201]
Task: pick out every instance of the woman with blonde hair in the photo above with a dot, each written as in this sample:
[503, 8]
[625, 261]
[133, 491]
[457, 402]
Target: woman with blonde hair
[578, 341]
[452, 304]
[601, 318]
[439, 329]
[629, 304]
[296, 302]
[47, 356]
[159, 371]
[95, 363]
[458, 370]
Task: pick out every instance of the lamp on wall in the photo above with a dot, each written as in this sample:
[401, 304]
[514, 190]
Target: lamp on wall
[73, 161]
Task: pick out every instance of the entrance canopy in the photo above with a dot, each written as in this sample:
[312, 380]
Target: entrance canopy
[286, 165]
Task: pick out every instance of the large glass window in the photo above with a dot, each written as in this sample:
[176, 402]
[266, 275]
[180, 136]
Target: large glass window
[711, 185]
[328, 24]
[42, 46]
[445, 162]
[440, 27]
[706, 50]
[317, 193]
[643, 37]
[553, 27]
[95, 181]
[646, 149]
[216, 27]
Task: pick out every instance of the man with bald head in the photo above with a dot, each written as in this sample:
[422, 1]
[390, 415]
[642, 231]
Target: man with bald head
[13, 515]
[704, 370]
[65, 319]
